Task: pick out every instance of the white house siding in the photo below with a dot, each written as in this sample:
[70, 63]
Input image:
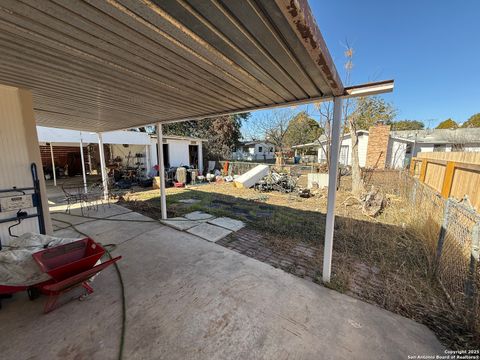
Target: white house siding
[362, 149]
[19, 148]
[396, 153]
[472, 148]
[178, 151]
[252, 152]
[347, 143]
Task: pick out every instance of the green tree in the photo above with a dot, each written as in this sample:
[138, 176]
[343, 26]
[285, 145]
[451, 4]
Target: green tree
[407, 125]
[447, 124]
[472, 122]
[222, 133]
[302, 129]
[370, 110]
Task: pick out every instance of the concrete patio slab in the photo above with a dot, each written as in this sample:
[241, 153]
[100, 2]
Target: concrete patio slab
[181, 223]
[199, 216]
[228, 223]
[187, 298]
[114, 228]
[209, 232]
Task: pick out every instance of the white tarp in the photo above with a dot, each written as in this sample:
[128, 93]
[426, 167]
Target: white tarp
[252, 176]
[17, 266]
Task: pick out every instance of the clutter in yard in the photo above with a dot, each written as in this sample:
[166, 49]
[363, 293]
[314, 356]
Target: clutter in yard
[252, 177]
[373, 202]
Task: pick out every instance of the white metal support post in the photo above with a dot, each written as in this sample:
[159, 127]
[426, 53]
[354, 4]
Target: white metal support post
[161, 172]
[147, 160]
[200, 158]
[83, 165]
[103, 166]
[89, 160]
[53, 166]
[332, 189]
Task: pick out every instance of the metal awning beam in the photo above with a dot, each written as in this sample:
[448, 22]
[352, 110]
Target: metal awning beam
[367, 89]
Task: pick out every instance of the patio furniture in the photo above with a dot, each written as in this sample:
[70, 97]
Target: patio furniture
[74, 194]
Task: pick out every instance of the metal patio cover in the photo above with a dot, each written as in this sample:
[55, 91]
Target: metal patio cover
[101, 65]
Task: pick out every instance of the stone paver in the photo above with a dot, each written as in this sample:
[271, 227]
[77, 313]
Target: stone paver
[181, 223]
[228, 223]
[209, 232]
[199, 216]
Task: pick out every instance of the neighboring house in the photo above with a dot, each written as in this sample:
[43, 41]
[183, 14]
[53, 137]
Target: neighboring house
[319, 147]
[382, 148]
[254, 150]
[179, 151]
[404, 145]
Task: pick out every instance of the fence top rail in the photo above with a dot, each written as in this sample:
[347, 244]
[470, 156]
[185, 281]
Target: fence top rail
[458, 164]
[458, 156]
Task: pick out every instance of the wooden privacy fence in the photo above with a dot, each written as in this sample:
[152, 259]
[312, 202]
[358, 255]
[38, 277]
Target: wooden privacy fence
[452, 174]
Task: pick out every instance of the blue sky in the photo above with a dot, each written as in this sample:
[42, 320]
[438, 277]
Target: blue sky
[431, 49]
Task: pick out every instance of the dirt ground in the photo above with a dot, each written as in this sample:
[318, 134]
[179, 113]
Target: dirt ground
[380, 260]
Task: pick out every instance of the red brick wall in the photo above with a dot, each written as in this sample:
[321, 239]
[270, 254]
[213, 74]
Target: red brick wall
[377, 146]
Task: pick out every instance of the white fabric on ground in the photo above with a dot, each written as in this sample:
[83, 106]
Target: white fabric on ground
[17, 266]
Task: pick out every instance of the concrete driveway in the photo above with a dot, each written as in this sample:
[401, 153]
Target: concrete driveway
[188, 298]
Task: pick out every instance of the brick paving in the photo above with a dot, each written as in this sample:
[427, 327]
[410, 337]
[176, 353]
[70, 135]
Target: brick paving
[298, 260]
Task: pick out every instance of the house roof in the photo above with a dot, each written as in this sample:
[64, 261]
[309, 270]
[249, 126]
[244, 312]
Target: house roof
[109, 65]
[323, 139]
[439, 136]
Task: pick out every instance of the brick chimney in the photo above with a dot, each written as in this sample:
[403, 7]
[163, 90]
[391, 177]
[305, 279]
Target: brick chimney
[378, 136]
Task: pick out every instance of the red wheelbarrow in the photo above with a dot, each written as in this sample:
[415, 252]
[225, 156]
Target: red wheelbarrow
[70, 266]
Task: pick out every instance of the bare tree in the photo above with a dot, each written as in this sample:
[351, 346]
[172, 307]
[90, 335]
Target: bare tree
[351, 120]
[272, 126]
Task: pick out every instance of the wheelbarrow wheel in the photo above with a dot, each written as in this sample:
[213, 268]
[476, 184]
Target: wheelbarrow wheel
[4, 296]
[33, 293]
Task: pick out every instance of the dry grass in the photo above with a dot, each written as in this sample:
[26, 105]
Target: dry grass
[387, 261]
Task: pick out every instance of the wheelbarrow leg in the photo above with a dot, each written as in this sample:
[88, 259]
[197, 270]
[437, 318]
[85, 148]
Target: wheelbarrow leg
[52, 299]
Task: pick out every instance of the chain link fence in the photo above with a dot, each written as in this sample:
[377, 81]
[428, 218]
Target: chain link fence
[455, 247]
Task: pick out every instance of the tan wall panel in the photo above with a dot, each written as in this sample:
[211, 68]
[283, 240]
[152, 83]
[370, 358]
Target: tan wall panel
[19, 148]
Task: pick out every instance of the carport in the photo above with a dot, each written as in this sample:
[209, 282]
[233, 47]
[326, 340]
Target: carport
[102, 66]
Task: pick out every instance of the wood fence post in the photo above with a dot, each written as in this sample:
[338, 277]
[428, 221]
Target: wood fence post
[412, 166]
[448, 179]
[423, 170]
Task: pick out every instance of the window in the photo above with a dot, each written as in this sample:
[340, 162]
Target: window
[271, 149]
[260, 149]
[458, 147]
[344, 155]
[439, 148]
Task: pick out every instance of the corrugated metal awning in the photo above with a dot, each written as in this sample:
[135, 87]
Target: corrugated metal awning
[68, 136]
[106, 65]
